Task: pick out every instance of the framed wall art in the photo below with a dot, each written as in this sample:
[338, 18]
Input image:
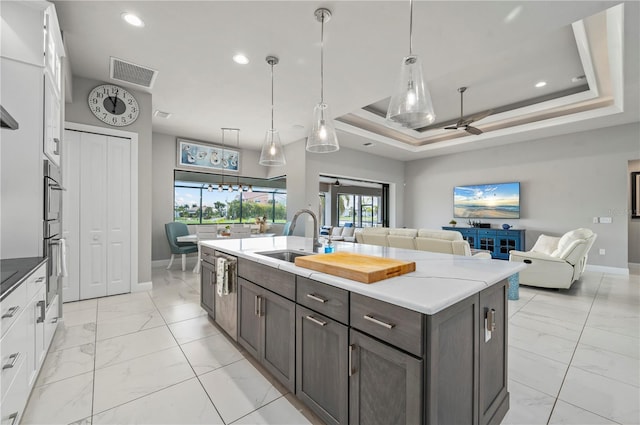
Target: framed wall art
[206, 157]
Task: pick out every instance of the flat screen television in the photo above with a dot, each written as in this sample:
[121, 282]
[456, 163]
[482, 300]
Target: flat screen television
[498, 200]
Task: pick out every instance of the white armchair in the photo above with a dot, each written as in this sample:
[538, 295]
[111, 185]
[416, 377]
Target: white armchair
[555, 262]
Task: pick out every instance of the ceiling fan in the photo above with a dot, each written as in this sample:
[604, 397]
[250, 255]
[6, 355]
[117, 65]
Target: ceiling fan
[465, 124]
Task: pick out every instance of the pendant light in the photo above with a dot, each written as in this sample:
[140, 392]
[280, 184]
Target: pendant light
[411, 105]
[272, 151]
[323, 137]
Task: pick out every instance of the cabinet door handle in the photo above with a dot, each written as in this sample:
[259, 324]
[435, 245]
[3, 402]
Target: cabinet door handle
[42, 312]
[13, 417]
[255, 306]
[351, 348]
[11, 312]
[491, 320]
[316, 321]
[260, 312]
[56, 151]
[40, 279]
[379, 322]
[316, 298]
[12, 361]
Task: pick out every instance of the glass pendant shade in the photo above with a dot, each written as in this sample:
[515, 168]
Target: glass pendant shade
[411, 104]
[272, 151]
[322, 138]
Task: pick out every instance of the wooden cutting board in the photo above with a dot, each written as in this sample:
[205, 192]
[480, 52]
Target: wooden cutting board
[362, 268]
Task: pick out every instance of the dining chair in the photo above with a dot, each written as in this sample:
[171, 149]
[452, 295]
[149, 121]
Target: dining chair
[173, 231]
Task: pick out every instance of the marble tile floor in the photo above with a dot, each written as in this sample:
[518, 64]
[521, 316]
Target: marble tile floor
[155, 358]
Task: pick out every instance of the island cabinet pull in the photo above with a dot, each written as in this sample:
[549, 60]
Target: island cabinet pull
[11, 312]
[379, 322]
[259, 312]
[255, 306]
[351, 348]
[13, 417]
[40, 279]
[42, 311]
[316, 321]
[316, 298]
[13, 359]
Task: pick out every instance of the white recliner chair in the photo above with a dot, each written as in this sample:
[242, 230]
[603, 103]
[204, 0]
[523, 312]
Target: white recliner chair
[555, 262]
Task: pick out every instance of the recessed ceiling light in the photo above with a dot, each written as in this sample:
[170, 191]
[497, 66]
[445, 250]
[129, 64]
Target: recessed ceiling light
[161, 114]
[541, 84]
[241, 59]
[132, 19]
[578, 79]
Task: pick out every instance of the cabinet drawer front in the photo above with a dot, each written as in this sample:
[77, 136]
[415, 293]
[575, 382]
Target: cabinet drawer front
[486, 232]
[275, 280]
[325, 299]
[206, 253]
[15, 394]
[13, 351]
[395, 325]
[11, 307]
[36, 281]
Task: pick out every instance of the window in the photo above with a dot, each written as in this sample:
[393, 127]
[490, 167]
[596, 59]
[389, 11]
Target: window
[361, 210]
[198, 202]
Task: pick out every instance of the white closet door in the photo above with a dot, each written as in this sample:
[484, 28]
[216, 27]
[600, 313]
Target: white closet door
[71, 214]
[93, 216]
[118, 215]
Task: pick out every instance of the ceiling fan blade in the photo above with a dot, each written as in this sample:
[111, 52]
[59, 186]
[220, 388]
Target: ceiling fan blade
[472, 130]
[453, 127]
[480, 116]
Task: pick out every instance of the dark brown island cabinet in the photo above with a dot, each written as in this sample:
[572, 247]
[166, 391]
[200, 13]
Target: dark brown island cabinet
[353, 359]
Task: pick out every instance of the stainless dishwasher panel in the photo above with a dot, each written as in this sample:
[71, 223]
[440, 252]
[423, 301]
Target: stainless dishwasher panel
[227, 305]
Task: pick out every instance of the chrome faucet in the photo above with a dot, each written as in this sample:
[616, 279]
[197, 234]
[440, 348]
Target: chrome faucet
[316, 243]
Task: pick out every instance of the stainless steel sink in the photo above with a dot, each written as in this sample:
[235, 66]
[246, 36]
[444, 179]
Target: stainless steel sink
[289, 256]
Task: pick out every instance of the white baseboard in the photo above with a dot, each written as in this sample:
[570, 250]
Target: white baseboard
[607, 269]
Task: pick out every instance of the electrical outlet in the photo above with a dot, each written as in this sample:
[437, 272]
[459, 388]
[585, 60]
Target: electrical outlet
[596, 219]
[602, 251]
[606, 220]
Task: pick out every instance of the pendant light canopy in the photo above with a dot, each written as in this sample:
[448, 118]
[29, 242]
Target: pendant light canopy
[272, 151]
[323, 137]
[411, 104]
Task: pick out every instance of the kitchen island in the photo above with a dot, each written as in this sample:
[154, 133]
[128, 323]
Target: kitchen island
[427, 347]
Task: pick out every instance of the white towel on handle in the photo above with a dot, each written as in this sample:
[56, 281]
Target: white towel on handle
[222, 282]
[62, 258]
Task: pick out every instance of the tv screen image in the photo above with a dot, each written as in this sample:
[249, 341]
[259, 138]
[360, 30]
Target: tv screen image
[500, 200]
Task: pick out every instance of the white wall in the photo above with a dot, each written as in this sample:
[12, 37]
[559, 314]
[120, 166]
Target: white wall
[78, 112]
[565, 182]
[164, 164]
[634, 224]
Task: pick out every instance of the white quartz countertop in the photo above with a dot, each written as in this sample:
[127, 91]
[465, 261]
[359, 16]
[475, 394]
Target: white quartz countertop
[440, 280]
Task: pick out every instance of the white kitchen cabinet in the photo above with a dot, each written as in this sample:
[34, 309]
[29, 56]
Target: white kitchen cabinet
[52, 123]
[53, 99]
[24, 343]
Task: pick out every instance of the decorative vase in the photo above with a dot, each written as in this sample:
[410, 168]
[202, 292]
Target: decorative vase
[506, 226]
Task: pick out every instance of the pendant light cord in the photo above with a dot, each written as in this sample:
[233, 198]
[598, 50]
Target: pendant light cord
[322, 59]
[222, 159]
[410, 27]
[271, 95]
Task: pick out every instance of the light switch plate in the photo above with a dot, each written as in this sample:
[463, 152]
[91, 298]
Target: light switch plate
[606, 220]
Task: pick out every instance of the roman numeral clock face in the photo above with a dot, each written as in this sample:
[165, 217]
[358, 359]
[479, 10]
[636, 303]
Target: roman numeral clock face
[113, 105]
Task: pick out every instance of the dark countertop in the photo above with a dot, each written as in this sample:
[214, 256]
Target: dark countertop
[15, 271]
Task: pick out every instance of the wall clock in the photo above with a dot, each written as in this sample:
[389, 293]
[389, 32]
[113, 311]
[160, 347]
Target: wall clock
[113, 105]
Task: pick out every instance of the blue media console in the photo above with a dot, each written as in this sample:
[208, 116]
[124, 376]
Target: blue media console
[498, 241]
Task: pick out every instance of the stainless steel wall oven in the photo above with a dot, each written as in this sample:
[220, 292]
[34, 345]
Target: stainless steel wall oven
[52, 226]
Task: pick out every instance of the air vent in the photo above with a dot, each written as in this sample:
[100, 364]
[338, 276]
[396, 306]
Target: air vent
[131, 73]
